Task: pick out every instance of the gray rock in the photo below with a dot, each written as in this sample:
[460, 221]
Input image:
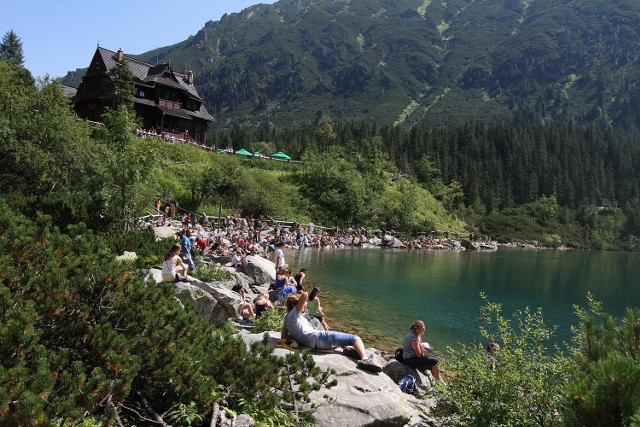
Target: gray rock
[361, 398]
[244, 280]
[221, 304]
[244, 420]
[156, 275]
[231, 301]
[392, 242]
[396, 370]
[205, 304]
[375, 241]
[261, 270]
[164, 232]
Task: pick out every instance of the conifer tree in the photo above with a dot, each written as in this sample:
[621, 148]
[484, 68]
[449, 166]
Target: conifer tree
[11, 49]
[603, 388]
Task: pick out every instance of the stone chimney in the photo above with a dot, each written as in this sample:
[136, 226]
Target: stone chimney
[120, 55]
[190, 77]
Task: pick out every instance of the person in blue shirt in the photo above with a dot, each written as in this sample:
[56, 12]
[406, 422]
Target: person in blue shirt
[185, 252]
[285, 292]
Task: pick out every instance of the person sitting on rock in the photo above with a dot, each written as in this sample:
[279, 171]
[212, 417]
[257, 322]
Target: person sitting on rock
[297, 327]
[299, 278]
[237, 258]
[262, 303]
[290, 279]
[173, 269]
[281, 281]
[246, 311]
[415, 352]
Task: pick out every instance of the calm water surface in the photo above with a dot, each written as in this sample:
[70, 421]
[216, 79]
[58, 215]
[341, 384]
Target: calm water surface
[378, 293]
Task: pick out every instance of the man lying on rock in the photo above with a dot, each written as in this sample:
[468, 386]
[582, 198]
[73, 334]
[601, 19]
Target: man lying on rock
[298, 328]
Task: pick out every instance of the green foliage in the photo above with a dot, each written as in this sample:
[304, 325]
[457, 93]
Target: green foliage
[270, 320]
[47, 165]
[185, 414]
[127, 164]
[603, 388]
[11, 49]
[521, 388]
[334, 186]
[212, 273]
[83, 338]
[148, 249]
[268, 417]
[123, 86]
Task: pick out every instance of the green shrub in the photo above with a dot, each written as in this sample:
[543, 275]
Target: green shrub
[82, 337]
[270, 320]
[211, 273]
[604, 386]
[521, 389]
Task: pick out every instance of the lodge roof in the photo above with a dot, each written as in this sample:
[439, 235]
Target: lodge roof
[144, 72]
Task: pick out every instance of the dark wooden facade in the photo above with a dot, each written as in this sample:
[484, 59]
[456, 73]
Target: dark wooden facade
[165, 101]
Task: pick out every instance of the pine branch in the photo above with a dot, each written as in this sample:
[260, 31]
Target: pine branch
[293, 393]
[150, 410]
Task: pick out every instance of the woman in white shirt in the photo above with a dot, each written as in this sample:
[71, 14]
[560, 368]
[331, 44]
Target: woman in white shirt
[173, 269]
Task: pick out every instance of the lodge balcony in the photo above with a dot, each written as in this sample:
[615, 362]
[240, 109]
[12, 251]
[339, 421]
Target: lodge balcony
[169, 104]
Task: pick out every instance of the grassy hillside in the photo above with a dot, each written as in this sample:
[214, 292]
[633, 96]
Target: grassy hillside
[201, 181]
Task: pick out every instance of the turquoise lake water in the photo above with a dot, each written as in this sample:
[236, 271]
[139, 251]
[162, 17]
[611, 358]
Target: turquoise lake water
[378, 293]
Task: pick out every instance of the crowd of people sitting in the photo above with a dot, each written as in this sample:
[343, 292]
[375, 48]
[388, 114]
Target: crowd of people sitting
[239, 236]
[258, 235]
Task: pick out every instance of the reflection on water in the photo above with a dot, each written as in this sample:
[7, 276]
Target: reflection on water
[378, 293]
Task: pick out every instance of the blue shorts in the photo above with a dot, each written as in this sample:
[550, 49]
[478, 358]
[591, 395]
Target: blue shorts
[332, 339]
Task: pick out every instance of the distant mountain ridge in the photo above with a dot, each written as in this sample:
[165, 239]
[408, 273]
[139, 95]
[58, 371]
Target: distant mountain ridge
[408, 61]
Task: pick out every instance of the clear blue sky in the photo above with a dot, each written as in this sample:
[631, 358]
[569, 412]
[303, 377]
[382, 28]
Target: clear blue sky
[60, 36]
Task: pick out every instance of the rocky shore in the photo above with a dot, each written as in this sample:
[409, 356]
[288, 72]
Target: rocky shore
[361, 398]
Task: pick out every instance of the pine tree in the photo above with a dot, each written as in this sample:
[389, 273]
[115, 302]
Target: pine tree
[11, 49]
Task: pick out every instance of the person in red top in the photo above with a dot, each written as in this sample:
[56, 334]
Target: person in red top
[240, 243]
[202, 245]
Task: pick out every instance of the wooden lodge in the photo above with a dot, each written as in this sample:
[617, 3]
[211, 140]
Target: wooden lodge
[166, 102]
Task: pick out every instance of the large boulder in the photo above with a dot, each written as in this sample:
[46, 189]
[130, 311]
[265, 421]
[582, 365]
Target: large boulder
[215, 302]
[375, 241]
[231, 301]
[206, 306]
[261, 270]
[396, 370]
[467, 244]
[361, 398]
[164, 232]
[392, 242]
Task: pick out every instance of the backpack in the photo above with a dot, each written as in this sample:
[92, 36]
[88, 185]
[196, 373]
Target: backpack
[398, 355]
[407, 384]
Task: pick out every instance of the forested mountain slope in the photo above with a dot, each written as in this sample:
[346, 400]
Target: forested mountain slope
[408, 61]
